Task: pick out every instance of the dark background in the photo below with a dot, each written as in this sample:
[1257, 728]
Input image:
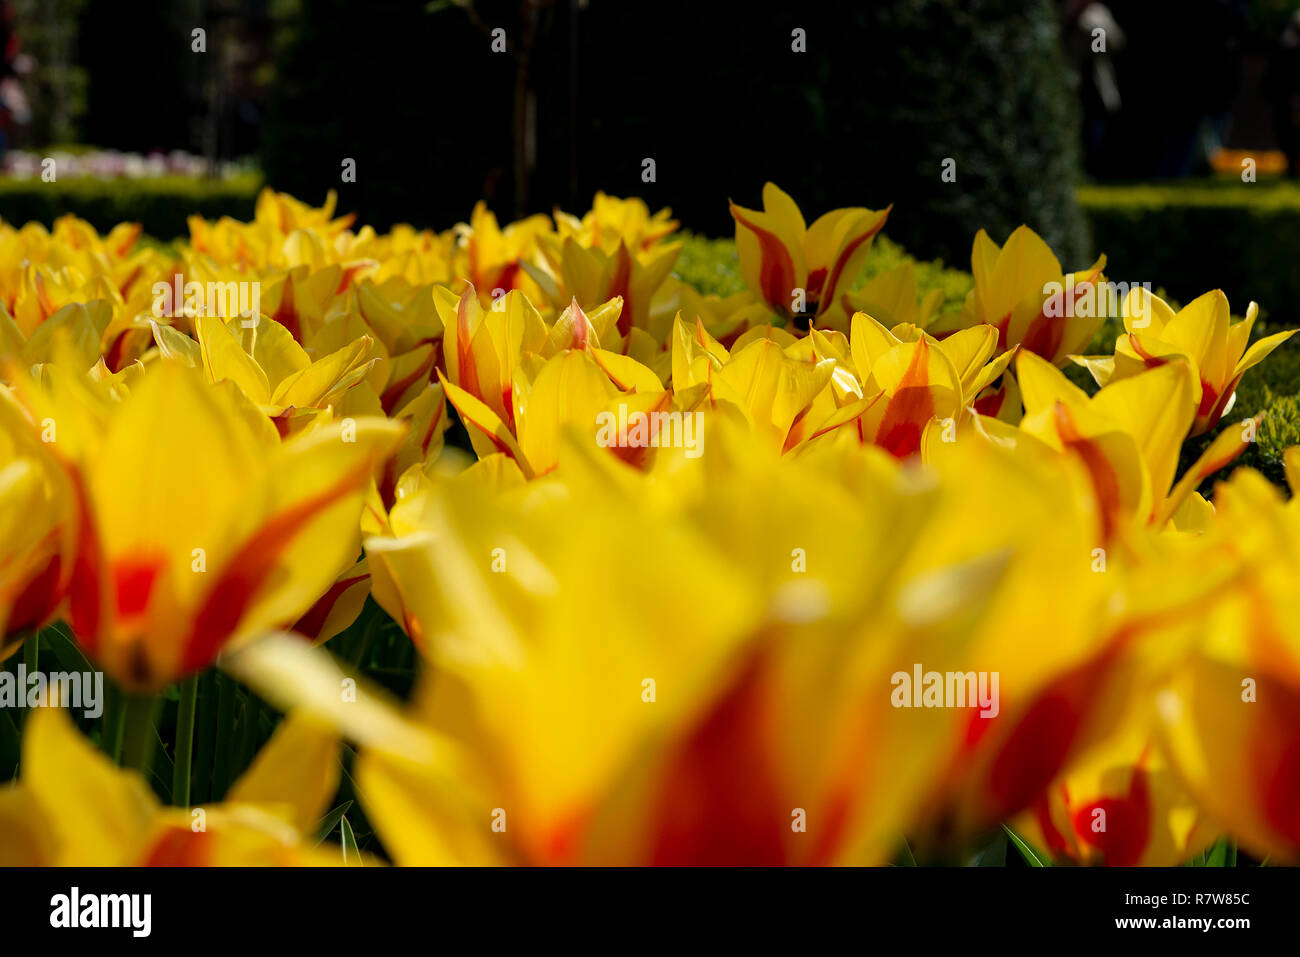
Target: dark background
[710, 90]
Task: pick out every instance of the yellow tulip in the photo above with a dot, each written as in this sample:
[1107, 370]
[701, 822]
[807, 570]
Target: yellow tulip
[725, 317]
[1230, 715]
[801, 271]
[1202, 333]
[1022, 291]
[488, 256]
[111, 817]
[782, 715]
[1121, 808]
[591, 275]
[35, 528]
[269, 367]
[612, 220]
[517, 384]
[1129, 435]
[196, 527]
[682, 757]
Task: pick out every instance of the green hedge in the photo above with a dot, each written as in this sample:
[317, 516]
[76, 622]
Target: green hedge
[161, 205]
[1243, 238]
[1014, 134]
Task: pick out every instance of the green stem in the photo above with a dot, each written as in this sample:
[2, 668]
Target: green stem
[31, 661]
[225, 731]
[138, 734]
[115, 723]
[31, 652]
[201, 789]
[363, 643]
[184, 741]
[1232, 853]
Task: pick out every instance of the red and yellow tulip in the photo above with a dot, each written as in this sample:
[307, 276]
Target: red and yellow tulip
[1202, 333]
[112, 819]
[801, 271]
[1022, 292]
[196, 527]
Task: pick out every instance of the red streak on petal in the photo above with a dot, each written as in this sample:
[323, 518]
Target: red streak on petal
[721, 804]
[507, 405]
[127, 242]
[85, 601]
[113, 357]
[1220, 403]
[432, 430]
[1032, 753]
[311, 623]
[1105, 482]
[816, 280]
[466, 371]
[38, 599]
[1046, 333]
[42, 294]
[1002, 328]
[910, 407]
[286, 314]
[471, 249]
[776, 270]
[1209, 396]
[620, 284]
[827, 292]
[1056, 842]
[129, 281]
[134, 577]
[1149, 360]
[1127, 823]
[393, 394]
[283, 421]
[1275, 758]
[180, 847]
[508, 276]
[413, 629]
[564, 839]
[349, 273]
[991, 404]
[1035, 750]
[251, 567]
[1044, 336]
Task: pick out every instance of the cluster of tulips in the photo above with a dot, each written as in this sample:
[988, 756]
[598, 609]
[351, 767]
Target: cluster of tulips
[635, 651]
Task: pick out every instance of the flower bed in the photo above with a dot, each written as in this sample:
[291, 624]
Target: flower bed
[616, 560]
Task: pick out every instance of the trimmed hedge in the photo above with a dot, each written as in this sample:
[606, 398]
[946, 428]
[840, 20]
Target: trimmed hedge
[1243, 238]
[161, 205]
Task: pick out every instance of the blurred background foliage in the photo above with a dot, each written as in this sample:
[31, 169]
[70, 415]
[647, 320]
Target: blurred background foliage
[1018, 93]
[714, 93]
[57, 86]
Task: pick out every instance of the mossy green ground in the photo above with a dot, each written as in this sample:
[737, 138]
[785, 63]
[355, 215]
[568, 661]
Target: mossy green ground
[1273, 387]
